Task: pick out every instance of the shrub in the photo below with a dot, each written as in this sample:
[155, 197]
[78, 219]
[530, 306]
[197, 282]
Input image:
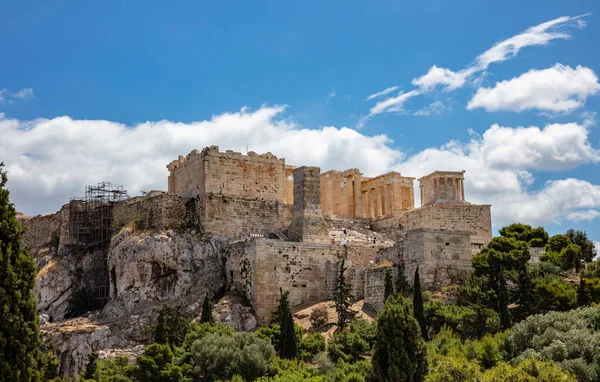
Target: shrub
[554, 293]
[172, 325]
[319, 317]
[347, 346]
[219, 356]
[563, 337]
[310, 346]
[139, 223]
[528, 370]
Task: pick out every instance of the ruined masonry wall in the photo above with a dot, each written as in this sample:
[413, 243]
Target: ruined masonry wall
[443, 257]
[161, 212]
[231, 174]
[307, 270]
[454, 217]
[228, 216]
[40, 229]
[374, 288]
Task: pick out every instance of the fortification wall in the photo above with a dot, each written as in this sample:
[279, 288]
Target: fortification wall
[443, 257]
[307, 270]
[222, 215]
[474, 218]
[40, 229]
[375, 286]
[231, 174]
[162, 211]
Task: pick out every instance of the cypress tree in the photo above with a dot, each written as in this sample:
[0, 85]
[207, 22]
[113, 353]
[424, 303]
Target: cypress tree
[288, 343]
[400, 353]
[418, 305]
[583, 293]
[342, 297]
[505, 319]
[207, 315]
[401, 283]
[388, 285]
[19, 321]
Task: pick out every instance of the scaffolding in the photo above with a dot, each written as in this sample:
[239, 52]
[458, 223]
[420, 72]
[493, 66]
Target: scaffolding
[89, 231]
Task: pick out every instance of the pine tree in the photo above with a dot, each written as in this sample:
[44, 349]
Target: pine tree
[400, 353]
[418, 305]
[342, 297]
[288, 343]
[207, 315]
[388, 285]
[401, 283]
[19, 325]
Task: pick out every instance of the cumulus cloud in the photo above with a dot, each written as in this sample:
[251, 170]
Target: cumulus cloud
[587, 215]
[541, 34]
[50, 160]
[559, 89]
[555, 147]
[383, 92]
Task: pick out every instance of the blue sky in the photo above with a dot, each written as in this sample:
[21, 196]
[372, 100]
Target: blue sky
[84, 87]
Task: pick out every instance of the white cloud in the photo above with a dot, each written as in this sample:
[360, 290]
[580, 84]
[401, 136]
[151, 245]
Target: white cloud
[383, 92]
[2, 115]
[555, 147]
[436, 107]
[587, 215]
[559, 89]
[541, 34]
[50, 160]
[441, 76]
[25, 93]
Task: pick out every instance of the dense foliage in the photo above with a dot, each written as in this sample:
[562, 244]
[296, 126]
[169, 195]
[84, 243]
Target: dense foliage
[342, 297]
[20, 355]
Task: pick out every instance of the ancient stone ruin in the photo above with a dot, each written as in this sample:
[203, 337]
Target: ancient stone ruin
[255, 225]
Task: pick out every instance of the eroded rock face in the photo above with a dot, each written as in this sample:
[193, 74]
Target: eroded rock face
[57, 279]
[163, 266]
[233, 310]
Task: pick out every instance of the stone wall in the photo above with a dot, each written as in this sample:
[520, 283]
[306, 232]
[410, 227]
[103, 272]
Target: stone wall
[375, 286]
[161, 211]
[536, 254]
[231, 174]
[307, 220]
[40, 229]
[307, 270]
[474, 218]
[443, 257]
[223, 215]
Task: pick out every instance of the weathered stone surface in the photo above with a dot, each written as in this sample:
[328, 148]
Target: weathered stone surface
[233, 310]
[163, 266]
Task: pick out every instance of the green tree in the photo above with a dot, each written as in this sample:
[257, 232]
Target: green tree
[172, 325]
[402, 286]
[583, 293]
[588, 249]
[156, 365]
[342, 297]
[388, 284]
[288, 341]
[207, 316]
[400, 353]
[418, 304]
[19, 325]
